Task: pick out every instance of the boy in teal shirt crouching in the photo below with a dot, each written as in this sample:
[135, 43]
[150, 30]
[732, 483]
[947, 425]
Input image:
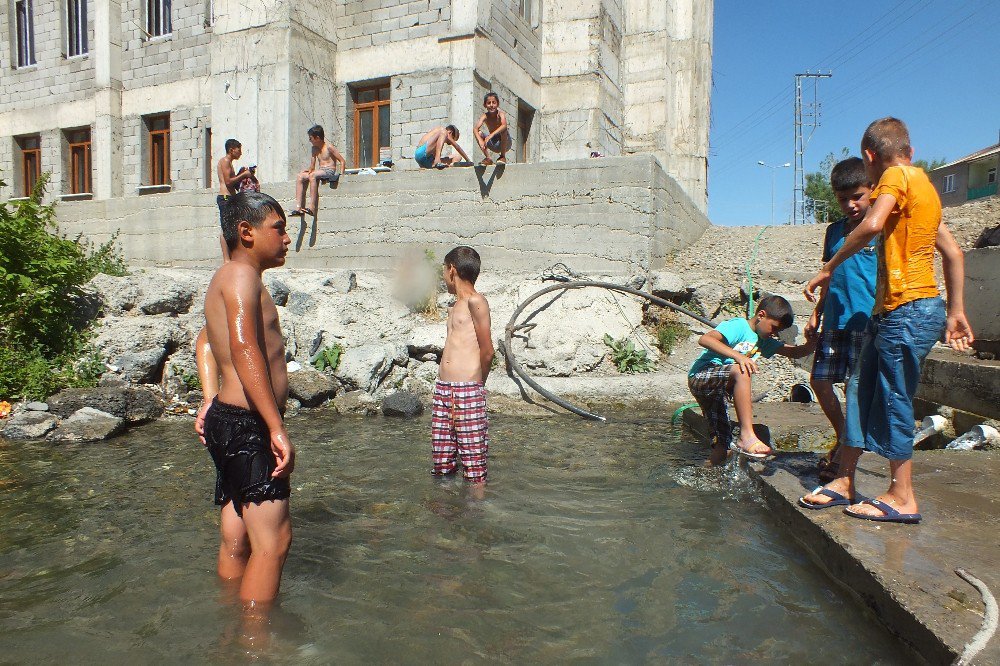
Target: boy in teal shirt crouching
[725, 369]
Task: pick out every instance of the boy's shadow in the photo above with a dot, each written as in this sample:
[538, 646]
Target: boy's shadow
[302, 232]
[486, 185]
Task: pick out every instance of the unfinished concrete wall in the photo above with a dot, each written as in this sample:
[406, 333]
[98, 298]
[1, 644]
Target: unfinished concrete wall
[667, 65]
[182, 54]
[982, 299]
[615, 216]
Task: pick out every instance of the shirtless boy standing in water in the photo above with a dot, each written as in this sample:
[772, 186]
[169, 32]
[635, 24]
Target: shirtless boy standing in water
[243, 427]
[458, 423]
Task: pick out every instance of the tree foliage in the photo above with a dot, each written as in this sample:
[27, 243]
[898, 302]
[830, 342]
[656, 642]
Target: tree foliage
[43, 345]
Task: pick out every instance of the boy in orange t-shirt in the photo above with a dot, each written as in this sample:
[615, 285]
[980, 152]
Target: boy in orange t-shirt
[909, 318]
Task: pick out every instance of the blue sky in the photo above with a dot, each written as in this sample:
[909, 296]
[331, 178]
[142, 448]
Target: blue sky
[935, 64]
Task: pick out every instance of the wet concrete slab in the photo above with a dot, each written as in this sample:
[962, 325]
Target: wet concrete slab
[905, 574]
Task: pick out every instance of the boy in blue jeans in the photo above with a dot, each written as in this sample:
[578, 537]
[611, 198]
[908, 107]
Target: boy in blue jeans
[909, 317]
[843, 309]
[725, 368]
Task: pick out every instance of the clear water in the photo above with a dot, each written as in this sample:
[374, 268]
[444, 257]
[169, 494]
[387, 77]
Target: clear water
[595, 543]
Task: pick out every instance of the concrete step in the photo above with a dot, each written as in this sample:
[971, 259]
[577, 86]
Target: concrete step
[961, 381]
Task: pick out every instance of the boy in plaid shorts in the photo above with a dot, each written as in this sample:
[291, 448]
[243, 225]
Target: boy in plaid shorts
[725, 367]
[458, 417]
[843, 310]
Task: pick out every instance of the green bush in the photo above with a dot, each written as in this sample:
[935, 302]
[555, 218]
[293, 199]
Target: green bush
[626, 357]
[328, 357]
[43, 346]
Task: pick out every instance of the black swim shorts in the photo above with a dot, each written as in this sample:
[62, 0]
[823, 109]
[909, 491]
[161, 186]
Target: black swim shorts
[240, 445]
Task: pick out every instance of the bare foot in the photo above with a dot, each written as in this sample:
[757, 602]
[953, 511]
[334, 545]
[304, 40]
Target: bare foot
[502, 159]
[486, 161]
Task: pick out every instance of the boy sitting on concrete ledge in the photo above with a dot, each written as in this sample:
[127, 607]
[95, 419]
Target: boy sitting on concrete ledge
[322, 166]
[725, 369]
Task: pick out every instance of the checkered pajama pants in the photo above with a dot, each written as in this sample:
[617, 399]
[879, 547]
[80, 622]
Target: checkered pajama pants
[459, 429]
[710, 387]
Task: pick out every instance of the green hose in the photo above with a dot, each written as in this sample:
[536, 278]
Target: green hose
[751, 305]
[680, 410]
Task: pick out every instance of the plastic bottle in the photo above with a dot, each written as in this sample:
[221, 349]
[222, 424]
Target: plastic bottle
[931, 425]
[974, 439]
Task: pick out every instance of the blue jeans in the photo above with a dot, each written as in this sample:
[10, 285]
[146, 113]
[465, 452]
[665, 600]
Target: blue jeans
[880, 393]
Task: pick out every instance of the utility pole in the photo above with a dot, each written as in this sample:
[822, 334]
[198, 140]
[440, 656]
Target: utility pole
[806, 115]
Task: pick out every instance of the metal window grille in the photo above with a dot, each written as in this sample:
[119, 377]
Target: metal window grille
[158, 22]
[76, 28]
[25, 28]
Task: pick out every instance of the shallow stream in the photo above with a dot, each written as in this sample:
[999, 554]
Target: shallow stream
[595, 543]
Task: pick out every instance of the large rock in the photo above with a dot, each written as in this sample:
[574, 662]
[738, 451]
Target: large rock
[354, 402]
[87, 425]
[426, 339]
[150, 291]
[141, 367]
[667, 285]
[365, 367]
[342, 281]
[402, 404]
[28, 425]
[311, 388]
[117, 294]
[130, 403]
[278, 289]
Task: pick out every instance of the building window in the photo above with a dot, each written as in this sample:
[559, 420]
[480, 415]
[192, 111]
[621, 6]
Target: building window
[31, 162]
[158, 133]
[206, 158]
[76, 28]
[371, 124]
[949, 183]
[991, 176]
[25, 27]
[79, 161]
[525, 115]
[158, 18]
[530, 10]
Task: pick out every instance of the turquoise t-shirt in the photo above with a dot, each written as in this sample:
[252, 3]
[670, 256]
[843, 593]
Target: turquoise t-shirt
[850, 298]
[739, 335]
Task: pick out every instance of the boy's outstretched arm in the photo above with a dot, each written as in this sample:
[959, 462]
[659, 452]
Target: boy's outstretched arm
[338, 159]
[713, 341]
[798, 351]
[208, 375]
[479, 308]
[958, 332]
[243, 316]
[867, 229]
[457, 147]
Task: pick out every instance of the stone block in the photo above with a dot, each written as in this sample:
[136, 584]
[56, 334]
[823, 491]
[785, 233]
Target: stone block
[87, 425]
[402, 404]
[28, 425]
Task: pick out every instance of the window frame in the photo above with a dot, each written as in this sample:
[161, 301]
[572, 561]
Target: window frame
[76, 25]
[374, 107]
[158, 16]
[27, 181]
[949, 183]
[80, 150]
[158, 140]
[991, 176]
[24, 33]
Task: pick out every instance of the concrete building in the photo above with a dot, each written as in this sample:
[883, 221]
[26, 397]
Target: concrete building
[124, 100]
[972, 177]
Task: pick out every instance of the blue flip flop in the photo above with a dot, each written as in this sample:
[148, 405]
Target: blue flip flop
[889, 514]
[836, 499]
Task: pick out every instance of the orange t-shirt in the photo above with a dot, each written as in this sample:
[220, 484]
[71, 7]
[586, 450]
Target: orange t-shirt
[906, 249]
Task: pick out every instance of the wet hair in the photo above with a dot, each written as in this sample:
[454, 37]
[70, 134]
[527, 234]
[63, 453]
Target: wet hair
[887, 138]
[317, 131]
[491, 94]
[232, 143]
[466, 262]
[777, 308]
[250, 207]
[453, 130]
[848, 175]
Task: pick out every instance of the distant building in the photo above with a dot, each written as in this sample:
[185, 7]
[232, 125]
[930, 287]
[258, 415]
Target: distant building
[120, 98]
[972, 177]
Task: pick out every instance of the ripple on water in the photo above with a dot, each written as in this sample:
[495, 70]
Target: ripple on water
[606, 543]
